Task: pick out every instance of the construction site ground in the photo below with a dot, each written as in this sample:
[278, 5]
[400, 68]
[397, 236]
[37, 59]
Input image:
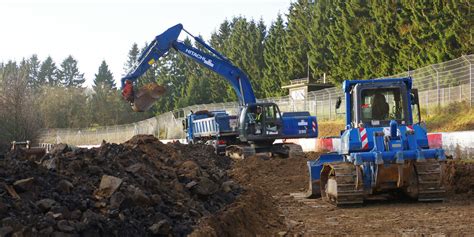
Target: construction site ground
[144, 187]
[286, 179]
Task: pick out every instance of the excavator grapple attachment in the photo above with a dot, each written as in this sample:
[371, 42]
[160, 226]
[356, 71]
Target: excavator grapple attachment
[146, 96]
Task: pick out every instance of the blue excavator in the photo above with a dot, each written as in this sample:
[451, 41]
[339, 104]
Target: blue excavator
[253, 130]
[383, 150]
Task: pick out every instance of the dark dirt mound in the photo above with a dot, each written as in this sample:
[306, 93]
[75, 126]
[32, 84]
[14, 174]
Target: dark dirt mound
[274, 175]
[460, 177]
[255, 213]
[138, 188]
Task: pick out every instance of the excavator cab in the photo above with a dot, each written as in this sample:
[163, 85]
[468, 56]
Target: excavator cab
[260, 121]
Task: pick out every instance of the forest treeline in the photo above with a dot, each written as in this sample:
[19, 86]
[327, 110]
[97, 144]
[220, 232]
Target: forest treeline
[342, 39]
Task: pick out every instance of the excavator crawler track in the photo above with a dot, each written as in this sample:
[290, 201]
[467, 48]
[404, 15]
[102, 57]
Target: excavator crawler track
[430, 183]
[294, 150]
[240, 152]
[340, 185]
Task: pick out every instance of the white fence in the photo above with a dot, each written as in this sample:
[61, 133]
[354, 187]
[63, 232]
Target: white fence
[438, 85]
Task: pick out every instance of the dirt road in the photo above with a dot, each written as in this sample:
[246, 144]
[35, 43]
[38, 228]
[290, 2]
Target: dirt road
[282, 178]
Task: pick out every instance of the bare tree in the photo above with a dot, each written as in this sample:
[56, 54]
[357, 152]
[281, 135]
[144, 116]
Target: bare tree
[19, 118]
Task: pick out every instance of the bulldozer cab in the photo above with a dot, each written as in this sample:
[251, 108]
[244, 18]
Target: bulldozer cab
[376, 104]
[260, 121]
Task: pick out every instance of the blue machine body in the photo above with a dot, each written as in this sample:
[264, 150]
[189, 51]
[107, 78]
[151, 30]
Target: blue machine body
[204, 124]
[371, 144]
[216, 125]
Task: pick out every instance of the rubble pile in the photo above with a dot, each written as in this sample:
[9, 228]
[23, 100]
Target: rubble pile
[139, 188]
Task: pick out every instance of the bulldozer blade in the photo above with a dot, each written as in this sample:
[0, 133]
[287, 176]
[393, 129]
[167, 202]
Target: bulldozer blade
[146, 96]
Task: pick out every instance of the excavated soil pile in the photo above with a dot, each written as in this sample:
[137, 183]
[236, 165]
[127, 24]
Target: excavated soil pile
[460, 177]
[139, 188]
[277, 176]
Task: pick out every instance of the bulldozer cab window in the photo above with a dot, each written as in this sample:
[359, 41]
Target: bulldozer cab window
[382, 105]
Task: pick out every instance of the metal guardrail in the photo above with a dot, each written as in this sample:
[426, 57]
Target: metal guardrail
[438, 84]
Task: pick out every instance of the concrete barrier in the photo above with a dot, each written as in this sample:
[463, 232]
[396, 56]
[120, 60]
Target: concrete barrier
[456, 144]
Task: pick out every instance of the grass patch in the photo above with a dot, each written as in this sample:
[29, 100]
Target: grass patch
[453, 117]
[457, 116]
[330, 128]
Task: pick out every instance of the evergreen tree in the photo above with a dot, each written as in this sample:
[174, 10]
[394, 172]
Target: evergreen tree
[132, 58]
[104, 88]
[275, 71]
[246, 51]
[297, 42]
[48, 73]
[33, 68]
[69, 74]
[104, 78]
[220, 90]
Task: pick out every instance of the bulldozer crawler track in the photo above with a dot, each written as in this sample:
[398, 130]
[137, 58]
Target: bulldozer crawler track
[430, 183]
[345, 177]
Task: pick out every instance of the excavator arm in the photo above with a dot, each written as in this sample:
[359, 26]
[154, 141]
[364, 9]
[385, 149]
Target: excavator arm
[216, 62]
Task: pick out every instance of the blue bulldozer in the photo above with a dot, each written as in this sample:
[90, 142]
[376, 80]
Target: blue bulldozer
[382, 150]
[253, 130]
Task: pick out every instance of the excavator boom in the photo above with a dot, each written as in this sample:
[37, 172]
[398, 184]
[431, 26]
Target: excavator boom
[215, 62]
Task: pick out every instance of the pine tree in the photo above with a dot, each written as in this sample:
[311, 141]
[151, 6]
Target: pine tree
[33, 68]
[48, 73]
[275, 71]
[69, 74]
[220, 90]
[132, 58]
[297, 43]
[104, 78]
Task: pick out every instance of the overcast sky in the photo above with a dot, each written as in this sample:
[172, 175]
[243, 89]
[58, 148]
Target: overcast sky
[96, 30]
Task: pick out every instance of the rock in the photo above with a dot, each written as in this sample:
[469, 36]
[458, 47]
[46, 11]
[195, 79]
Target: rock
[46, 231]
[3, 208]
[12, 191]
[108, 185]
[60, 148]
[76, 215]
[62, 234]
[140, 198]
[135, 168]
[191, 184]
[206, 187]
[63, 225]
[282, 233]
[18, 234]
[95, 170]
[116, 200]
[24, 185]
[189, 169]
[64, 186]
[6, 231]
[45, 204]
[8, 221]
[91, 233]
[161, 228]
[50, 163]
[156, 199]
[227, 186]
